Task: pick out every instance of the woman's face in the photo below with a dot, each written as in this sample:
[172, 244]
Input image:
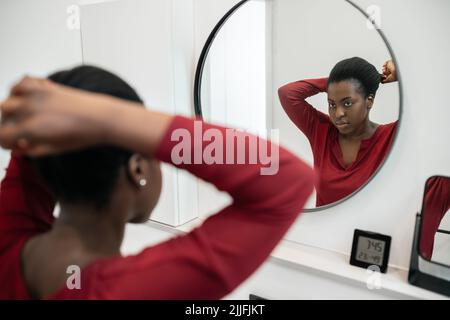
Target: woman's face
[347, 106]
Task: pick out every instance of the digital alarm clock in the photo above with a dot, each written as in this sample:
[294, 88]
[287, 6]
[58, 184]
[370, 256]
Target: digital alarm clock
[370, 249]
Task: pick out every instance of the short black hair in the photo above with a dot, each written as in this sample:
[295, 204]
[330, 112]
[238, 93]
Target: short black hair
[359, 70]
[87, 176]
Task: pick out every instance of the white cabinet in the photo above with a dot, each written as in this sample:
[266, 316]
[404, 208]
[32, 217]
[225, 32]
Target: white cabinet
[149, 43]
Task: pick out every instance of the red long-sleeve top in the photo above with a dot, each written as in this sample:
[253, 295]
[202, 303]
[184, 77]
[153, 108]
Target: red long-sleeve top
[207, 263]
[336, 180]
[435, 205]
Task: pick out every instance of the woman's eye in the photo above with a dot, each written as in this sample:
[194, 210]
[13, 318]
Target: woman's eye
[331, 105]
[348, 104]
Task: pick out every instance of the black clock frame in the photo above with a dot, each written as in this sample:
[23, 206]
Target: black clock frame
[372, 235]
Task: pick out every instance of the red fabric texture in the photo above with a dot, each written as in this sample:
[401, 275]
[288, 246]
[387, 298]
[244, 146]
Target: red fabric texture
[435, 206]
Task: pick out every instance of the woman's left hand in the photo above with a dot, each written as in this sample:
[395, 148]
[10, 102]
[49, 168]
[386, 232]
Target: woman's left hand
[389, 72]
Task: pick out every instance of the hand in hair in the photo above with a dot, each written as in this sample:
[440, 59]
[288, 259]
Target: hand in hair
[41, 117]
[389, 72]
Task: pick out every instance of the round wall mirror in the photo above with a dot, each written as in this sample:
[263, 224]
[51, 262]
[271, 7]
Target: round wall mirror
[317, 75]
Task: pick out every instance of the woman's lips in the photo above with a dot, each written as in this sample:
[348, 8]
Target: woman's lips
[341, 124]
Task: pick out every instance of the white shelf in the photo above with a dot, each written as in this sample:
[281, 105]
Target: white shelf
[335, 265]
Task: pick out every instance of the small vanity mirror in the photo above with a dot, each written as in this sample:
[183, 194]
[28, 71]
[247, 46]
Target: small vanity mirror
[266, 67]
[430, 258]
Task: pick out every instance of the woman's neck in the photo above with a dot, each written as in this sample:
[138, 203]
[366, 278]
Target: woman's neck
[97, 233]
[365, 131]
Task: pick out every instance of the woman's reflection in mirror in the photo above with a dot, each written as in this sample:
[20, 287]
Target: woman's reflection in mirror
[347, 146]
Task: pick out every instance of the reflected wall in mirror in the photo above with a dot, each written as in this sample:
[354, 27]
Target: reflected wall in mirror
[328, 85]
[430, 256]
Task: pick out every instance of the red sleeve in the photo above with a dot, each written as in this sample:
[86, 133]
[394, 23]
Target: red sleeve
[26, 209]
[215, 258]
[26, 205]
[293, 99]
[435, 206]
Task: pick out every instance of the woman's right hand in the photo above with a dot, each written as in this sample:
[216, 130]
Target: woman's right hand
[42, 118]
[389, 72]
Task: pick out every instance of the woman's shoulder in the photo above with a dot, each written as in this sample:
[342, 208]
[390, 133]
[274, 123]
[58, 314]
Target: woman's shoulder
[389, 127]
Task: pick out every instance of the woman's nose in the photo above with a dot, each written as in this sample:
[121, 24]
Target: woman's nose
[340, 112]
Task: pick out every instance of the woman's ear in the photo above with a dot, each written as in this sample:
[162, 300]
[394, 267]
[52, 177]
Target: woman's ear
[370, 100]
[135, 170]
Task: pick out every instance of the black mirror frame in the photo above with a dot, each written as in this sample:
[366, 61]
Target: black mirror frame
[201, 65]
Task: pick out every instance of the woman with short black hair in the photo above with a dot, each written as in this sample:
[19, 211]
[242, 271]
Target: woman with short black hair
[347, 147]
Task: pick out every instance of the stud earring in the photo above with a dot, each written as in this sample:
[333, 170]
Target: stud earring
[143, 182]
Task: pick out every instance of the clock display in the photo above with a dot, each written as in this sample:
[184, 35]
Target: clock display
[370, 250]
